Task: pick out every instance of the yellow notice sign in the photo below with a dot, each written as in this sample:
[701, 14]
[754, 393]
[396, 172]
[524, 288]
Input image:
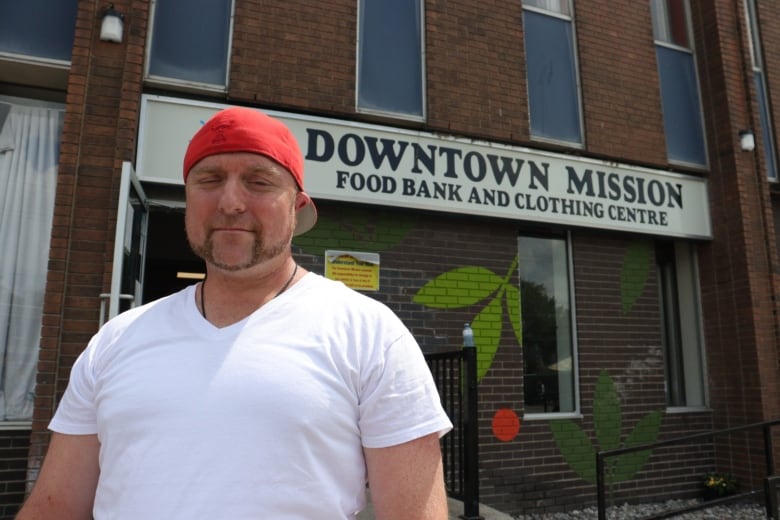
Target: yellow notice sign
[356, 270]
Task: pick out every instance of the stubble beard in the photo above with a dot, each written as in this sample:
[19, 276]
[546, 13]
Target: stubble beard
[260, 252]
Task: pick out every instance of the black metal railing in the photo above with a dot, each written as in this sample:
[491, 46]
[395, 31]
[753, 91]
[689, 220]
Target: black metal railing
[455, 373]
[769, 490]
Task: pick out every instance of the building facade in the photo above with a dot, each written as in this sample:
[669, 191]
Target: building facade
[593, 186]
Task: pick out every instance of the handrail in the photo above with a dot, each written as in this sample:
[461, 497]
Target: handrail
[458, 390]
[768, 455]
[470, 438]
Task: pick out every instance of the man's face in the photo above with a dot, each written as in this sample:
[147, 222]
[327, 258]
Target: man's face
[240, 209]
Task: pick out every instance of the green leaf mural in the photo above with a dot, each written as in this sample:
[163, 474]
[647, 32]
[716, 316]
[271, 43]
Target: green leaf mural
[646, 431]
[606, 413]
[512, 297]
[580, 454]
[487, 335]
[458, 288]
[575, 448]
[471, 285]
[633, 276]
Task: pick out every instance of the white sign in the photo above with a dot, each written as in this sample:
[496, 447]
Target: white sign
[372, 164]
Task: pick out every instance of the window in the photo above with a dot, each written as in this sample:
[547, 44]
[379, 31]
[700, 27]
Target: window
[29, 149]
[765, 118]
[39, 29]
[547, 321]
[553, 81]
[36, 42]
[682, 338]
[390, 77]
[682, 113]
[189, 42]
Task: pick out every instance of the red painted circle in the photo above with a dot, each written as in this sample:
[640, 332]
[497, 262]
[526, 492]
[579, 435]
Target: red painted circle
[506, 424]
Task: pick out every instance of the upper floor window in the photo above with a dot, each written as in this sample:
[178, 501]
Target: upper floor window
[762, 96]
[681, 320]
[682, 113]
[190, 50]
[38, 29]
[546, 309]
[390, 78]
[553, 79]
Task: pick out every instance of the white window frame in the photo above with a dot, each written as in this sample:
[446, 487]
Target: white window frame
[186, 85]
[765, 115]
[692, 51]
[692, 351]
[37, 71]
[569, 17]
[423, 84]
[576, 411]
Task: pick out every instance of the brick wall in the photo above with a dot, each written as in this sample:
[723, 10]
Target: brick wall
[298, 57]
[738, 280]
[98, 134]
[528, 473]
[620, 88]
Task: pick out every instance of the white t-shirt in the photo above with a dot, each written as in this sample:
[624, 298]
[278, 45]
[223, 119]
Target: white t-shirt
[265, 418]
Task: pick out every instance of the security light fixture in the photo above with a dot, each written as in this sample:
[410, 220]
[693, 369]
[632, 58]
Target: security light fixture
[747, 141]
[113, 24]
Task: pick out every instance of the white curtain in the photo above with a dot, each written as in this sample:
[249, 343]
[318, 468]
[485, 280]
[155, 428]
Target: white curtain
[556, 6]
[29, 149]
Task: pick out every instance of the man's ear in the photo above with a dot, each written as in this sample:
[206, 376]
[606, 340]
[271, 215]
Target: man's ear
[302, 199]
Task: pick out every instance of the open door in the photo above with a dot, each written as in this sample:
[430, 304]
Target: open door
[129, 247]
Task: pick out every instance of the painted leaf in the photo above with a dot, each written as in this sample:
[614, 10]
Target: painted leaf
[487, 335]
[512, 297]
[460, 287]
[576, 448]
[606, 413]
[645, 431]
[633, 277]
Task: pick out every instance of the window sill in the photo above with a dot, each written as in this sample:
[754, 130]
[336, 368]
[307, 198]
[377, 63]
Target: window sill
[688, 409]
[33, 72]
[15, 425]
[551, 416]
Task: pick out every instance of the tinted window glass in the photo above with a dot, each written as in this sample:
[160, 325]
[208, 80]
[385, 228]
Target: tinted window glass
[548, 352]
[552, 78]
[681, 108]
[390, 57]
[190, 40]
[38, 28]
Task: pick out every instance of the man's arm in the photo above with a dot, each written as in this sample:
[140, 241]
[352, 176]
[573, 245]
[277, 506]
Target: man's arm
[65, 489]
[407, 480]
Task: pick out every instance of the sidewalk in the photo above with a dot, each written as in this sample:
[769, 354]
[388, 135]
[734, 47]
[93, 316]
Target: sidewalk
[456, 509]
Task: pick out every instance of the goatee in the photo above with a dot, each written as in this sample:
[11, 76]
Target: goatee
[260, 253]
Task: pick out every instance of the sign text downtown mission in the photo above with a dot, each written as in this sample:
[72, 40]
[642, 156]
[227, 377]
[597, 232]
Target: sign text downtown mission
[500, 181]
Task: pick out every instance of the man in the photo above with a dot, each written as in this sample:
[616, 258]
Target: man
[263, 392]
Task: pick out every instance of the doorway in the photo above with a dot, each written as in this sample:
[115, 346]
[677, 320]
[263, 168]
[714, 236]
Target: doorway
[170, 263]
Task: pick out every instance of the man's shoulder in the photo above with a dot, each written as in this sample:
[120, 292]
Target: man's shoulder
[159, 309]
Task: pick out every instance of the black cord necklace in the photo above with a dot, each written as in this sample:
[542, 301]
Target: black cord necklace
[203, 291]
[287, 283]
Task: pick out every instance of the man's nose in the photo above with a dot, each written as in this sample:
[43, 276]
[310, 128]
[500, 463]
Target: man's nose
[232, 199]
